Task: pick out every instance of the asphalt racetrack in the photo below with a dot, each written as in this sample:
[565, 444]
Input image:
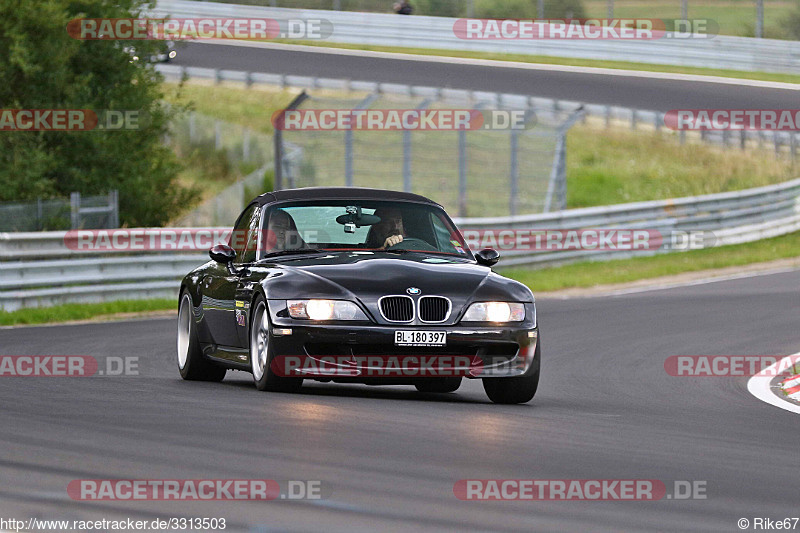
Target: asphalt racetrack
[388, 457]
[627, 91]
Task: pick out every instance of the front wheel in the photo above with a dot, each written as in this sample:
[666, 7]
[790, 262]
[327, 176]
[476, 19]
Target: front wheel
[191, 363]
[261, 353]
[518, 389]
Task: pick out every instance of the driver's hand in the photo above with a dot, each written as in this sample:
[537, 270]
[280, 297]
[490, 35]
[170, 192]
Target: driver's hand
[391, 241]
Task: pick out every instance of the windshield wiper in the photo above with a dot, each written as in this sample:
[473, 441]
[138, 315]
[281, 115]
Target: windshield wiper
[293, 251]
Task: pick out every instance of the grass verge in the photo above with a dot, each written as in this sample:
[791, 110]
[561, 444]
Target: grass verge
[69, 312]
[232, 103]
[588, 274]
[617, 165]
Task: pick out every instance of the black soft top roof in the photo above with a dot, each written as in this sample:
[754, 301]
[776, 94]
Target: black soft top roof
[336, 193]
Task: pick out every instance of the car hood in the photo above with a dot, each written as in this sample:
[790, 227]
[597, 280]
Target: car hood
[368, 277]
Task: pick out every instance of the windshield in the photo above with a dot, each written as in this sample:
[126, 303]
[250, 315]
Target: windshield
[361, 225]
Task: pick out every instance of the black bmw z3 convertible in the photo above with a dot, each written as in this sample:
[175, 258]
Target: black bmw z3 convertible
[356, 285]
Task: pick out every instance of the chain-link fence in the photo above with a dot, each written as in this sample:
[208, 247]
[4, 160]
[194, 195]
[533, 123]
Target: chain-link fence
[79, 212]
[223, 209]
[483, 169]
[237, 144]
[225, 148]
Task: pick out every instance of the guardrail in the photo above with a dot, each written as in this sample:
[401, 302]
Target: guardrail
[39, 269]
[719, 52]
[782, 141]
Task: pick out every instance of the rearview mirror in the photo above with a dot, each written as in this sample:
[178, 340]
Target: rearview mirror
[487, 257]
[222, 253]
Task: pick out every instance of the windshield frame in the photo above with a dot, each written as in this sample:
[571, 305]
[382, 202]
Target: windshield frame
[267, 209]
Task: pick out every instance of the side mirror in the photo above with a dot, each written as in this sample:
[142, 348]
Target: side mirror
[222, 253]
[487, 257]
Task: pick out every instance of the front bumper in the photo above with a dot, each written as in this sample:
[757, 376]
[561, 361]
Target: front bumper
[367, 352]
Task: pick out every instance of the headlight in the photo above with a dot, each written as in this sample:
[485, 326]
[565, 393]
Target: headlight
[495, 312]
[325, 310]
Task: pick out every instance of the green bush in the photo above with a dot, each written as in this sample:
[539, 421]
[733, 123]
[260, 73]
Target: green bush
[42, 67]
[528, 9]
[440, 8]
[269, 180]
[267, 185]
[791, 24]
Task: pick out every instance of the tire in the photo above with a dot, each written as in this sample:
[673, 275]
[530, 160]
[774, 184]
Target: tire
[262, 354]
[518, 389]
[438, 384]
[191, 363]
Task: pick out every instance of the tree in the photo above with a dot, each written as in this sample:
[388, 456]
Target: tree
[42, 67]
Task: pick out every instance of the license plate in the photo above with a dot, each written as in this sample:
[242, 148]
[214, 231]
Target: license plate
[420, 338]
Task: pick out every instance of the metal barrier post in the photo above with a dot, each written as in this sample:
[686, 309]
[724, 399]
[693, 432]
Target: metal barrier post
[348, 141]
[759, 19]
[39, 216]
[462, 173]
[278, 141]
[557, 187]
[514, 164]
[514, 174]
[75, 209]
[407, 151]
[113, 204]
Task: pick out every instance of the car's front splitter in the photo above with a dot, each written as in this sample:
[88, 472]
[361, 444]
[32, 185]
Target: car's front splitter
[369, 352]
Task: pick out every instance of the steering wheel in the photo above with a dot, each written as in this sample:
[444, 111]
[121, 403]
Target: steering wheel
[412, 243]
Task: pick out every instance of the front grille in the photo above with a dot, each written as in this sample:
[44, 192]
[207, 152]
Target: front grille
[434, 308]
[397, 308]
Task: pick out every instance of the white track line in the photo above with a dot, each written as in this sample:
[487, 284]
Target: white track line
[506, 64]
[759, 387]
[655, 286]
[703, 281]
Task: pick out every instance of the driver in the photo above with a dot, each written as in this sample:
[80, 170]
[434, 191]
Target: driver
[282, 232]
[389, 230]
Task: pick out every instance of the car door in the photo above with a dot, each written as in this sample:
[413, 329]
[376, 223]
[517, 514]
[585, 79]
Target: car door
[220, 284]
